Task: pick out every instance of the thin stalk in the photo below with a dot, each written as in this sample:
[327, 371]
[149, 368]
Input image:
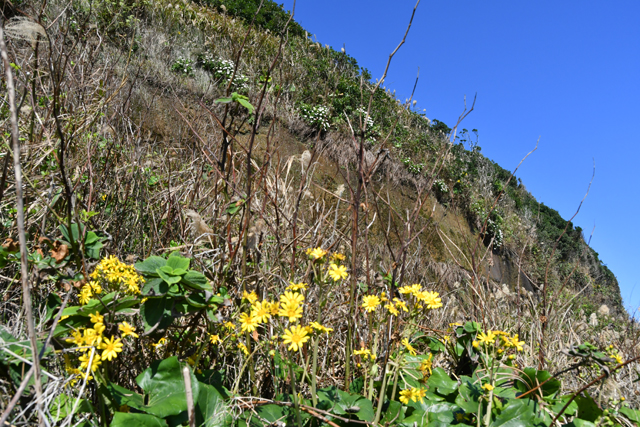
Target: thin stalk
[381, 396]
[295, 394]
[26, 294]
[314, 365]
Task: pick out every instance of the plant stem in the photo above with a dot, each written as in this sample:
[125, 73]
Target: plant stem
[295, 394]
[26, 294]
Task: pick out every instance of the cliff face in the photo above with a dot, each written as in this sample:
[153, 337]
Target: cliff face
[169, 76]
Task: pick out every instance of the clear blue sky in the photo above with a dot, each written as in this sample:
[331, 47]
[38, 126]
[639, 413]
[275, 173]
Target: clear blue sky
[565, 71]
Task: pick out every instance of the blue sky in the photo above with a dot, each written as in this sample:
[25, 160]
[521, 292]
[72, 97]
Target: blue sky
[567, 72]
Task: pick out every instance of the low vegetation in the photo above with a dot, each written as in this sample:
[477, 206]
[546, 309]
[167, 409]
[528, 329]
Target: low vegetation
[217, 220]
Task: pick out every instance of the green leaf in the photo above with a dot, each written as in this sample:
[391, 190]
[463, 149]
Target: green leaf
[469, 396]
[196, 300]
[633, 415]
[531, 378]
[394, 413]
[97, 304]
[155, 287]
[272, 414]
[52, 305]
[91, 238]
[587, 408]
[149, 266]
[196, 280]
[416, 418]
[62, 406]
[577, 422]
[122, 396]
[341, 402]
[441, 381]
[122, 419]
[211, 408]
[235, 207]
[440, 419]
[560, 402]
[167, 278]
[75, 232]
[223, 100]
[246, 104]
[164, 388]
[518, 413]
[472, 327]
[154, 311]
[178, 262]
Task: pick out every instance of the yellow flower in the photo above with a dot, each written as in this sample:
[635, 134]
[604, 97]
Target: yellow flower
[161, 343]
[383, 297]
[117, 276]
[337, 257]
[127, 329]
[392, 309]
[426, 365]
[85, 295]
[413, 289]
[405, 396]
[487, 338]
[95, 287]
[99, 328]
[370, 302]
[409, 347]
[243, 348]
[430, 299]
[365, 353]
[214, 339]
[292, 311]
[261, 311]
[91, 337]
[76, 338]
[297, 286]
[229, 325]
[400, 304]
[248, 323]
[418, 394]
[296, 337]
[111, 348]
[316, 253]
[475, 344]
[317, 326]
[517, 344]
[84, 359]
[251, 297]
[618, 359]
[488, 387]
[273, 308]
[337, 272]
[96, 317]
[291, 298]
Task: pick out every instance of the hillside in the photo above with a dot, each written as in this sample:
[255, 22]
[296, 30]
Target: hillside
[224, 160]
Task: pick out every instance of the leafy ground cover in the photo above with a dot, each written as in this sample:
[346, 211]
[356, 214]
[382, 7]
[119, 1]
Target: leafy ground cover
[214, 224]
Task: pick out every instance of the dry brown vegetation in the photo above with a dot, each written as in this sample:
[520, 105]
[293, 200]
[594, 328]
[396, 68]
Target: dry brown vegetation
[114, 139]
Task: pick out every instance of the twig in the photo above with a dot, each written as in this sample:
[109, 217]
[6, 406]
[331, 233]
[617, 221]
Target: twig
[26, 294]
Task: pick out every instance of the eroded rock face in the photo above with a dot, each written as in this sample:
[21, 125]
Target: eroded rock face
[603, 310]
[504, 270]
[593, 320]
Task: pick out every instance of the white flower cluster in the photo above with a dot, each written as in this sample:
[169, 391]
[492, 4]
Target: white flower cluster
[368, 120]
[493, 229]
[183, 65]
[222, 69]
[441, 186]
[316, 116]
